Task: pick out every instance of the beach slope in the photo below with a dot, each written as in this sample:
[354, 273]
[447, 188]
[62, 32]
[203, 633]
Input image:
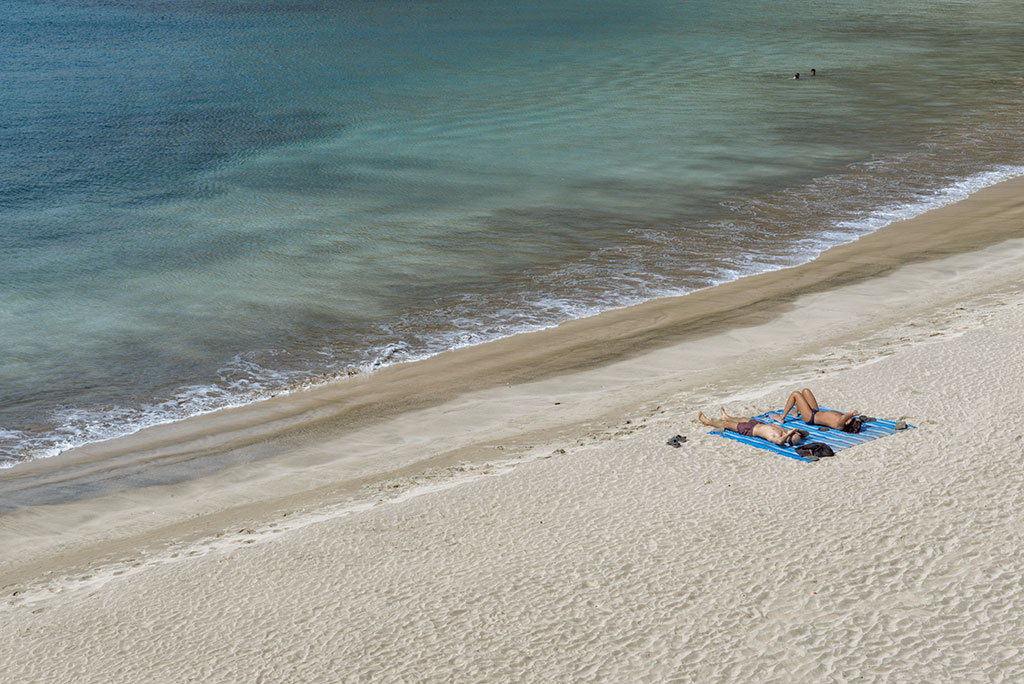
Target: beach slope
[571, 544]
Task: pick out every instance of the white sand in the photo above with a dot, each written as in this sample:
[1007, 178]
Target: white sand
[622, 559]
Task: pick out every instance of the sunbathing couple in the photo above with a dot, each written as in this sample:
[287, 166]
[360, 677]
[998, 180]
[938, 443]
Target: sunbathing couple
[806, 404]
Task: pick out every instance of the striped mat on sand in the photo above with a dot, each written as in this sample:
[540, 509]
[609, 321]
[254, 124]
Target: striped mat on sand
[837, 439]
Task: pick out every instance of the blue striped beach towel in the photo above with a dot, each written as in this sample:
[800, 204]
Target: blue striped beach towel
[837, 439]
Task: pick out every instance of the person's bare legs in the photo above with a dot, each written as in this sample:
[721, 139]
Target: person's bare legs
[726, 416]
[800, 401]
[811, 401]
[807, 405]
[729, 424]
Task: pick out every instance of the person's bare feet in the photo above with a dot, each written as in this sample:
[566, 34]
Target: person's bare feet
[703, 418]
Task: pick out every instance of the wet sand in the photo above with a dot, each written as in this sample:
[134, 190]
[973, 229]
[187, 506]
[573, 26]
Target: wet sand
[511, 512]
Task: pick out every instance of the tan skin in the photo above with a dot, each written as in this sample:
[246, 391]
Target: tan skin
[769, 431]
[807, 405]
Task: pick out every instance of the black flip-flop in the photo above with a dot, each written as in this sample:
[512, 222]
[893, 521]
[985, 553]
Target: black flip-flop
[676, 441]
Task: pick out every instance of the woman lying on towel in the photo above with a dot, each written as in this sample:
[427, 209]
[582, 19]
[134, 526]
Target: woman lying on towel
[812, 415]
[755, 428]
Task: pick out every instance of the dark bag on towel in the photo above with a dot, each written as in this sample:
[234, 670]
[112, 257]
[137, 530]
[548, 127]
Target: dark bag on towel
[814, 451]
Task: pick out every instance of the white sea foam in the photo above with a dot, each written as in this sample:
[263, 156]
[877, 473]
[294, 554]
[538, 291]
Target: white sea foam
[950, 194]
[244, 381]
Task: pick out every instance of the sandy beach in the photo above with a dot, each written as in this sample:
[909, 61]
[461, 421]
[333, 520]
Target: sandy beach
[511, 512]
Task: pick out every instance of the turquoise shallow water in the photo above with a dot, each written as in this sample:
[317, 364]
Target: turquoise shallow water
[203, 205]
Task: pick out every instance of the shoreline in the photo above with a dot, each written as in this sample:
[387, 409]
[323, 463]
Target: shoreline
[333, 444]
[593, 551]
[942, 197]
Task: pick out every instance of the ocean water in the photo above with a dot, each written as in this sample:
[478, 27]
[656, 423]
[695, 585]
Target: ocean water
[203, 204]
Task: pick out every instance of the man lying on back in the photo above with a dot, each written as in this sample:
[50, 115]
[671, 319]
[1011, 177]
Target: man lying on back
[776, 434]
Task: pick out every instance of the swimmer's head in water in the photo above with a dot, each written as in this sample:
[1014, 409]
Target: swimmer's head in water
[796, 75]
[813, 72]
